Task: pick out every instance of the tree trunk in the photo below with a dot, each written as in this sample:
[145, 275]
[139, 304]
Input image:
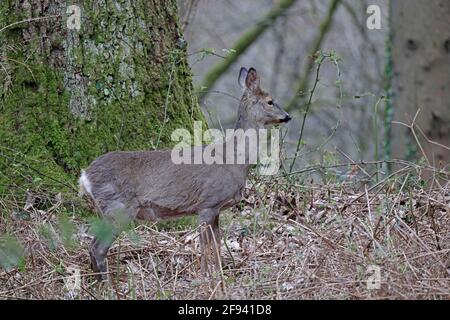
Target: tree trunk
[421, 77]
[120, 82]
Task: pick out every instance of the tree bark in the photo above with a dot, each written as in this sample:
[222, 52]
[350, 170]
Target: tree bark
[121, 82]
[421, 77]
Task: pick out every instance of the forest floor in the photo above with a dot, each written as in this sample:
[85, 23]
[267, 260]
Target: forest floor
[286, 240]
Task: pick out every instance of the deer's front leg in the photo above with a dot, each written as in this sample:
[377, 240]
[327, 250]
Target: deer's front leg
[209, 238]
[98, 250]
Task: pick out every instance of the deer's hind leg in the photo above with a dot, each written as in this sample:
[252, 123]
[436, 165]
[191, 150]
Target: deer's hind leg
[209, 238]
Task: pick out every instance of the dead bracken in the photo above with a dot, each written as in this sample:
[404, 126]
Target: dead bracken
[283, 241]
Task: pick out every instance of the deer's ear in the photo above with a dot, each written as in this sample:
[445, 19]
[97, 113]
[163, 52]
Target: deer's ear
[252, 80]
[242, 77]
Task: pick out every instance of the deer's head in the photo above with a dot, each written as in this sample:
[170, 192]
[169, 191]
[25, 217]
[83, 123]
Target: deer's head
[257, 107]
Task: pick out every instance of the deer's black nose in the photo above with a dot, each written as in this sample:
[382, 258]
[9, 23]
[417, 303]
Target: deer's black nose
[286, 119]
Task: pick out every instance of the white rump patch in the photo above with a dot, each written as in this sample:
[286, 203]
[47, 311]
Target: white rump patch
[85, 184]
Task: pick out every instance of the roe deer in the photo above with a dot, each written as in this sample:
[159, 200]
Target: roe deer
[148, 185]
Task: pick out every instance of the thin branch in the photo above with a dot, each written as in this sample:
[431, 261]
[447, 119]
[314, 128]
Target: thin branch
[303, 82]
[241, 45]
[29, 20]
[308, 105]
[23, 64]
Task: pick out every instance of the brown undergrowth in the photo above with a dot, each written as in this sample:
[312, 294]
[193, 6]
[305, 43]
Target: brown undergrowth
[289, 238]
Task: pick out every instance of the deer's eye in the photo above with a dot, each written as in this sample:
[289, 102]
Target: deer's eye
[270, 102]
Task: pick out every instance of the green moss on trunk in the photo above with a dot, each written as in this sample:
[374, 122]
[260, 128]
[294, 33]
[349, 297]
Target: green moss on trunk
[69, 96]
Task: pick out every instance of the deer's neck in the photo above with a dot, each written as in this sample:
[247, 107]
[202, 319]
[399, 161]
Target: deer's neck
[245, 137]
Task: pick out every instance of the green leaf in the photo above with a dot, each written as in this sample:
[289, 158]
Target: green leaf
[11, 252]
[66, 230]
